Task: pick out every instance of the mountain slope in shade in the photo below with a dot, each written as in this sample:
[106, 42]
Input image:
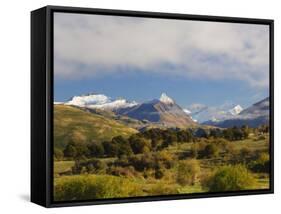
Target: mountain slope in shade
[163, 111]
[254, 116]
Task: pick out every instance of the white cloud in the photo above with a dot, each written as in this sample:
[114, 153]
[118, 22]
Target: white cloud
[87, 45]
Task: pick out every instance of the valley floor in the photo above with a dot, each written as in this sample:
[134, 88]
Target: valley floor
[126, 181]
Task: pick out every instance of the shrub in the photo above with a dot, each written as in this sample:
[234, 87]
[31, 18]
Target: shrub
[188, 171]
[262, 163]
[230, 178]
[162, 188]
[89, 166]
[159, 173]
[84, 187]
[122, 171]
[210, 150]
[164, 158]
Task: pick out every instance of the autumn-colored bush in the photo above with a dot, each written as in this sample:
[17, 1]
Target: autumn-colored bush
[188, 171]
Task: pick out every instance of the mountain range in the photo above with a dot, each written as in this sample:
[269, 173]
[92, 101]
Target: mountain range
[163, 111]
[253, 116]
[202, 113]
[166, 112]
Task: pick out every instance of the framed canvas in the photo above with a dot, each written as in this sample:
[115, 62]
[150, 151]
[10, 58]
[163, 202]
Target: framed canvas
[131, 106]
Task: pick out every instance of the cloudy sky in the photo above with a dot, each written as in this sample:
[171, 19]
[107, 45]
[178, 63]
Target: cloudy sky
[138, 58]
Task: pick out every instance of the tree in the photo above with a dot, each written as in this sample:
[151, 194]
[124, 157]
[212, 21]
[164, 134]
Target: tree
[96, 149]
[201, 133]
[246, 131]
[216, 133]
[139, 144]
[81, 150]
[169, 140]
[110, 149]
[70, 151]
[123, 146]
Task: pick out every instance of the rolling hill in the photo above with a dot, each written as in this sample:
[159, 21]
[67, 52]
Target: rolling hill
[71, 123]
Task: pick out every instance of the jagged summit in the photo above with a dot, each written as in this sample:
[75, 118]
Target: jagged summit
[236, 110]
[165, 99]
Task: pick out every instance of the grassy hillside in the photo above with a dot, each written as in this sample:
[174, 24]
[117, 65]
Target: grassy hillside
[74, 124]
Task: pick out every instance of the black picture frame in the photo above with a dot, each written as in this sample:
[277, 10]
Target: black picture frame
[42, 103]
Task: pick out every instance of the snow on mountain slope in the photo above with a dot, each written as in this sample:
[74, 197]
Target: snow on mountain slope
[165, 99]
[88, 99]
[202, 113]
[236, 110]
[253, 116]
[260, 108]
[163, 111]
[186, 111]
[116, 104]
[99, 101]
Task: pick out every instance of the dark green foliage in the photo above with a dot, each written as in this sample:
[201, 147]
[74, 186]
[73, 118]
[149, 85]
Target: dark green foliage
[184, 136]
[89, 166]
[75, 150]
[139, 144]
[140, 163]
[202, 133]
[110, 149]
[156, 161]
[96, 149]
[70, 151]
[123, 146]
[236, 133]
[122, 171]
[261, 164]
[216, 133]
[210, 150]
[159, 173]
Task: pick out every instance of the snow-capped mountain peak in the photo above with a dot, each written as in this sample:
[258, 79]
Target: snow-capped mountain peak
[88, 99]
[204, 113]
[99, 101]
[165, 99]
[236, 110]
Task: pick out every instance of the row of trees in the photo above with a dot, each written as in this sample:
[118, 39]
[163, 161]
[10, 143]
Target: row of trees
[149, 140]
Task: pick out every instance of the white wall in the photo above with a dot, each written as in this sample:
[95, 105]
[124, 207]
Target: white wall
[15, 98]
